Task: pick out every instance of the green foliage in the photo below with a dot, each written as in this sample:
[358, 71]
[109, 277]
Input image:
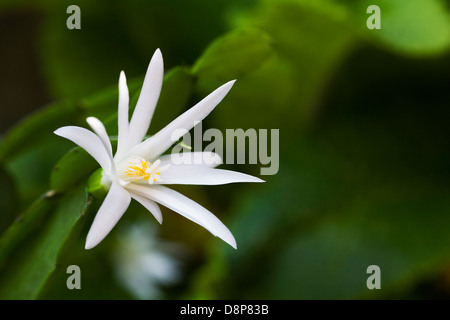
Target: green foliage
[321, 247]
[233, 55]
[413, 27]
[36, 128]
[72, 168]
[8, 200]
[26, 224]
[36, 260]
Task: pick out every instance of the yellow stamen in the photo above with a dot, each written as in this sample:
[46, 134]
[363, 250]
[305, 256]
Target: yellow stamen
[138, 172]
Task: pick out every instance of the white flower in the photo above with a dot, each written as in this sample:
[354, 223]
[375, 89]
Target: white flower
[138, 170]
[144, 263]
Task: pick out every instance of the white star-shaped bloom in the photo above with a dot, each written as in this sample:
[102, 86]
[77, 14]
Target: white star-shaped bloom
[138, 170]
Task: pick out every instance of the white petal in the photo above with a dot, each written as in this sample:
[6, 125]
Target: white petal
[100, 130]
[187, 208]
[207, 159]
[147, 101]
[149, 205]
[196, 175]
[90, 142]
[110, 212]
[122, 116]
[161, 141]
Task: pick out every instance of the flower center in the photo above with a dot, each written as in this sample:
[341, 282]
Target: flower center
[138, 170]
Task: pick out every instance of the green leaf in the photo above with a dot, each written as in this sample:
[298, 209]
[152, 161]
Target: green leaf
[30, 267]
[8, 200]
[36, 128]
[414, 27]
[234, 55]
[74, 166]
[308, 47]
[31, 169]
[310, 40]
[95, 186]
[27, 223]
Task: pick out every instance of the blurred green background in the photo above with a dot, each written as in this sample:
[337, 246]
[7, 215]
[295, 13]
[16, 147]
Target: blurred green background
[364, 173]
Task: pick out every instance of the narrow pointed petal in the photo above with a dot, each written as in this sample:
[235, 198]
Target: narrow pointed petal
[90, 142]
[123, 123]
[207, 159]
[110, 212]
[100, 130]
[196, 175]
[147, 101]
[187, 208]
[161, 141]
[150, 206]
